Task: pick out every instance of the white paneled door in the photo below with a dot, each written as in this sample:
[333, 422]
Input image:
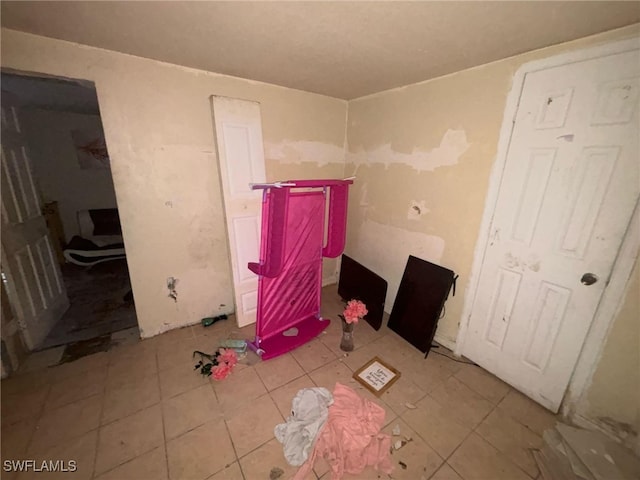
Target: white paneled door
[238, 130]
[29, 266]
[570, 185]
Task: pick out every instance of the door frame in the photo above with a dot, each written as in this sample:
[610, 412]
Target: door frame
[88, 83]
[614, 292]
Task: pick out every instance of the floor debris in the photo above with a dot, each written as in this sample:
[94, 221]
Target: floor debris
[396, 430]
[571, 453]
[403, 465]
[410, 406]
[275, 473]
[401, 443]
[208, 321]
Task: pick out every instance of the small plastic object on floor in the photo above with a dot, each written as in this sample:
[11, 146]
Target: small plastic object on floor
[208, 321]
[240, 346]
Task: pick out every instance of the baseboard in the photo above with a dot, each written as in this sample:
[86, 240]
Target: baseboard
[446, 342]
[330, 280]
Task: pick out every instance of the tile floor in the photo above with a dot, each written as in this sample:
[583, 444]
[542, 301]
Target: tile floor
[139, 411]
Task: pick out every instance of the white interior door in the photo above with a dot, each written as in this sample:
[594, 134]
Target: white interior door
[569, 187]
[30, 269]
[241, 158]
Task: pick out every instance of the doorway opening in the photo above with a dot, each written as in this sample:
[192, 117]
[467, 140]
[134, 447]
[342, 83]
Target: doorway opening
[61, 130]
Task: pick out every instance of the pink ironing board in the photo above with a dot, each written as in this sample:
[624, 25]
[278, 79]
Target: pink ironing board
[290, 267]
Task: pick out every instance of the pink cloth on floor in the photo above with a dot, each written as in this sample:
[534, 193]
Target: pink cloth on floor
[351, 440]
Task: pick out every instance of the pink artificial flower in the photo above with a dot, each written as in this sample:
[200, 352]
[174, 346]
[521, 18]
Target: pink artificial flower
[220, 371]
[354, 311]
[228, 356]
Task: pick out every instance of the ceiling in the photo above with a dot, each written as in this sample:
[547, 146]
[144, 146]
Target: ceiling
[341, 49]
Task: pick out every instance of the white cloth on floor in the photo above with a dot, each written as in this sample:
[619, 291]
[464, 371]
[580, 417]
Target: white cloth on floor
[309, 412]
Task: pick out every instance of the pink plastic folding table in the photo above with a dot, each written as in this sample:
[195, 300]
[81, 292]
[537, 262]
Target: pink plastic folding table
[290, 268]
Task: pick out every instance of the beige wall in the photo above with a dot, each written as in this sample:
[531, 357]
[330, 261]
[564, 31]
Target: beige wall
[422, 155]
[56, 167]
[613, 398]
[159, 132]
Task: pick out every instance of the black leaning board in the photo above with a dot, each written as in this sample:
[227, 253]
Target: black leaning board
[421, 296]
[360, 283]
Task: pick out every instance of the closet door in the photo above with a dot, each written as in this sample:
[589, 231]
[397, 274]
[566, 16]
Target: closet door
[238, 129]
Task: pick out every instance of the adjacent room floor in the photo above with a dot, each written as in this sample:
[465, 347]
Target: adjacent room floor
[139, 410]
[99, 303]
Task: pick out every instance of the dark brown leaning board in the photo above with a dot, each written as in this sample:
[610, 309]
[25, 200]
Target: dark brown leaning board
[360, 283]
[419, 302]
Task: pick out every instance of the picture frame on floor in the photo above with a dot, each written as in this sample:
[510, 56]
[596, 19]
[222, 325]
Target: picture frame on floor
[377, 376]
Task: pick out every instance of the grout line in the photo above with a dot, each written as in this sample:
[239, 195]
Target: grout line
[257, 448]
[223, 469]
[432, 476]
[260, 445]
[78, 398]
[226, 425]
[478, 393]
[191, 428]
[233, 445]
[495, 446]
[451, 467]
[164, 434]
[104, 398]
[299, 364]
[182, 434]
[213, 388]
[111, 422]
[137, 410]
[38, 418]
[259, 378]
[426, 441]
[493, 407]
[459, 445]
[129, 461]
[241, 470]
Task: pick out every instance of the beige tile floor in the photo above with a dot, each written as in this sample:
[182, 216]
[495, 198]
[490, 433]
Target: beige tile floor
[140, 411]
